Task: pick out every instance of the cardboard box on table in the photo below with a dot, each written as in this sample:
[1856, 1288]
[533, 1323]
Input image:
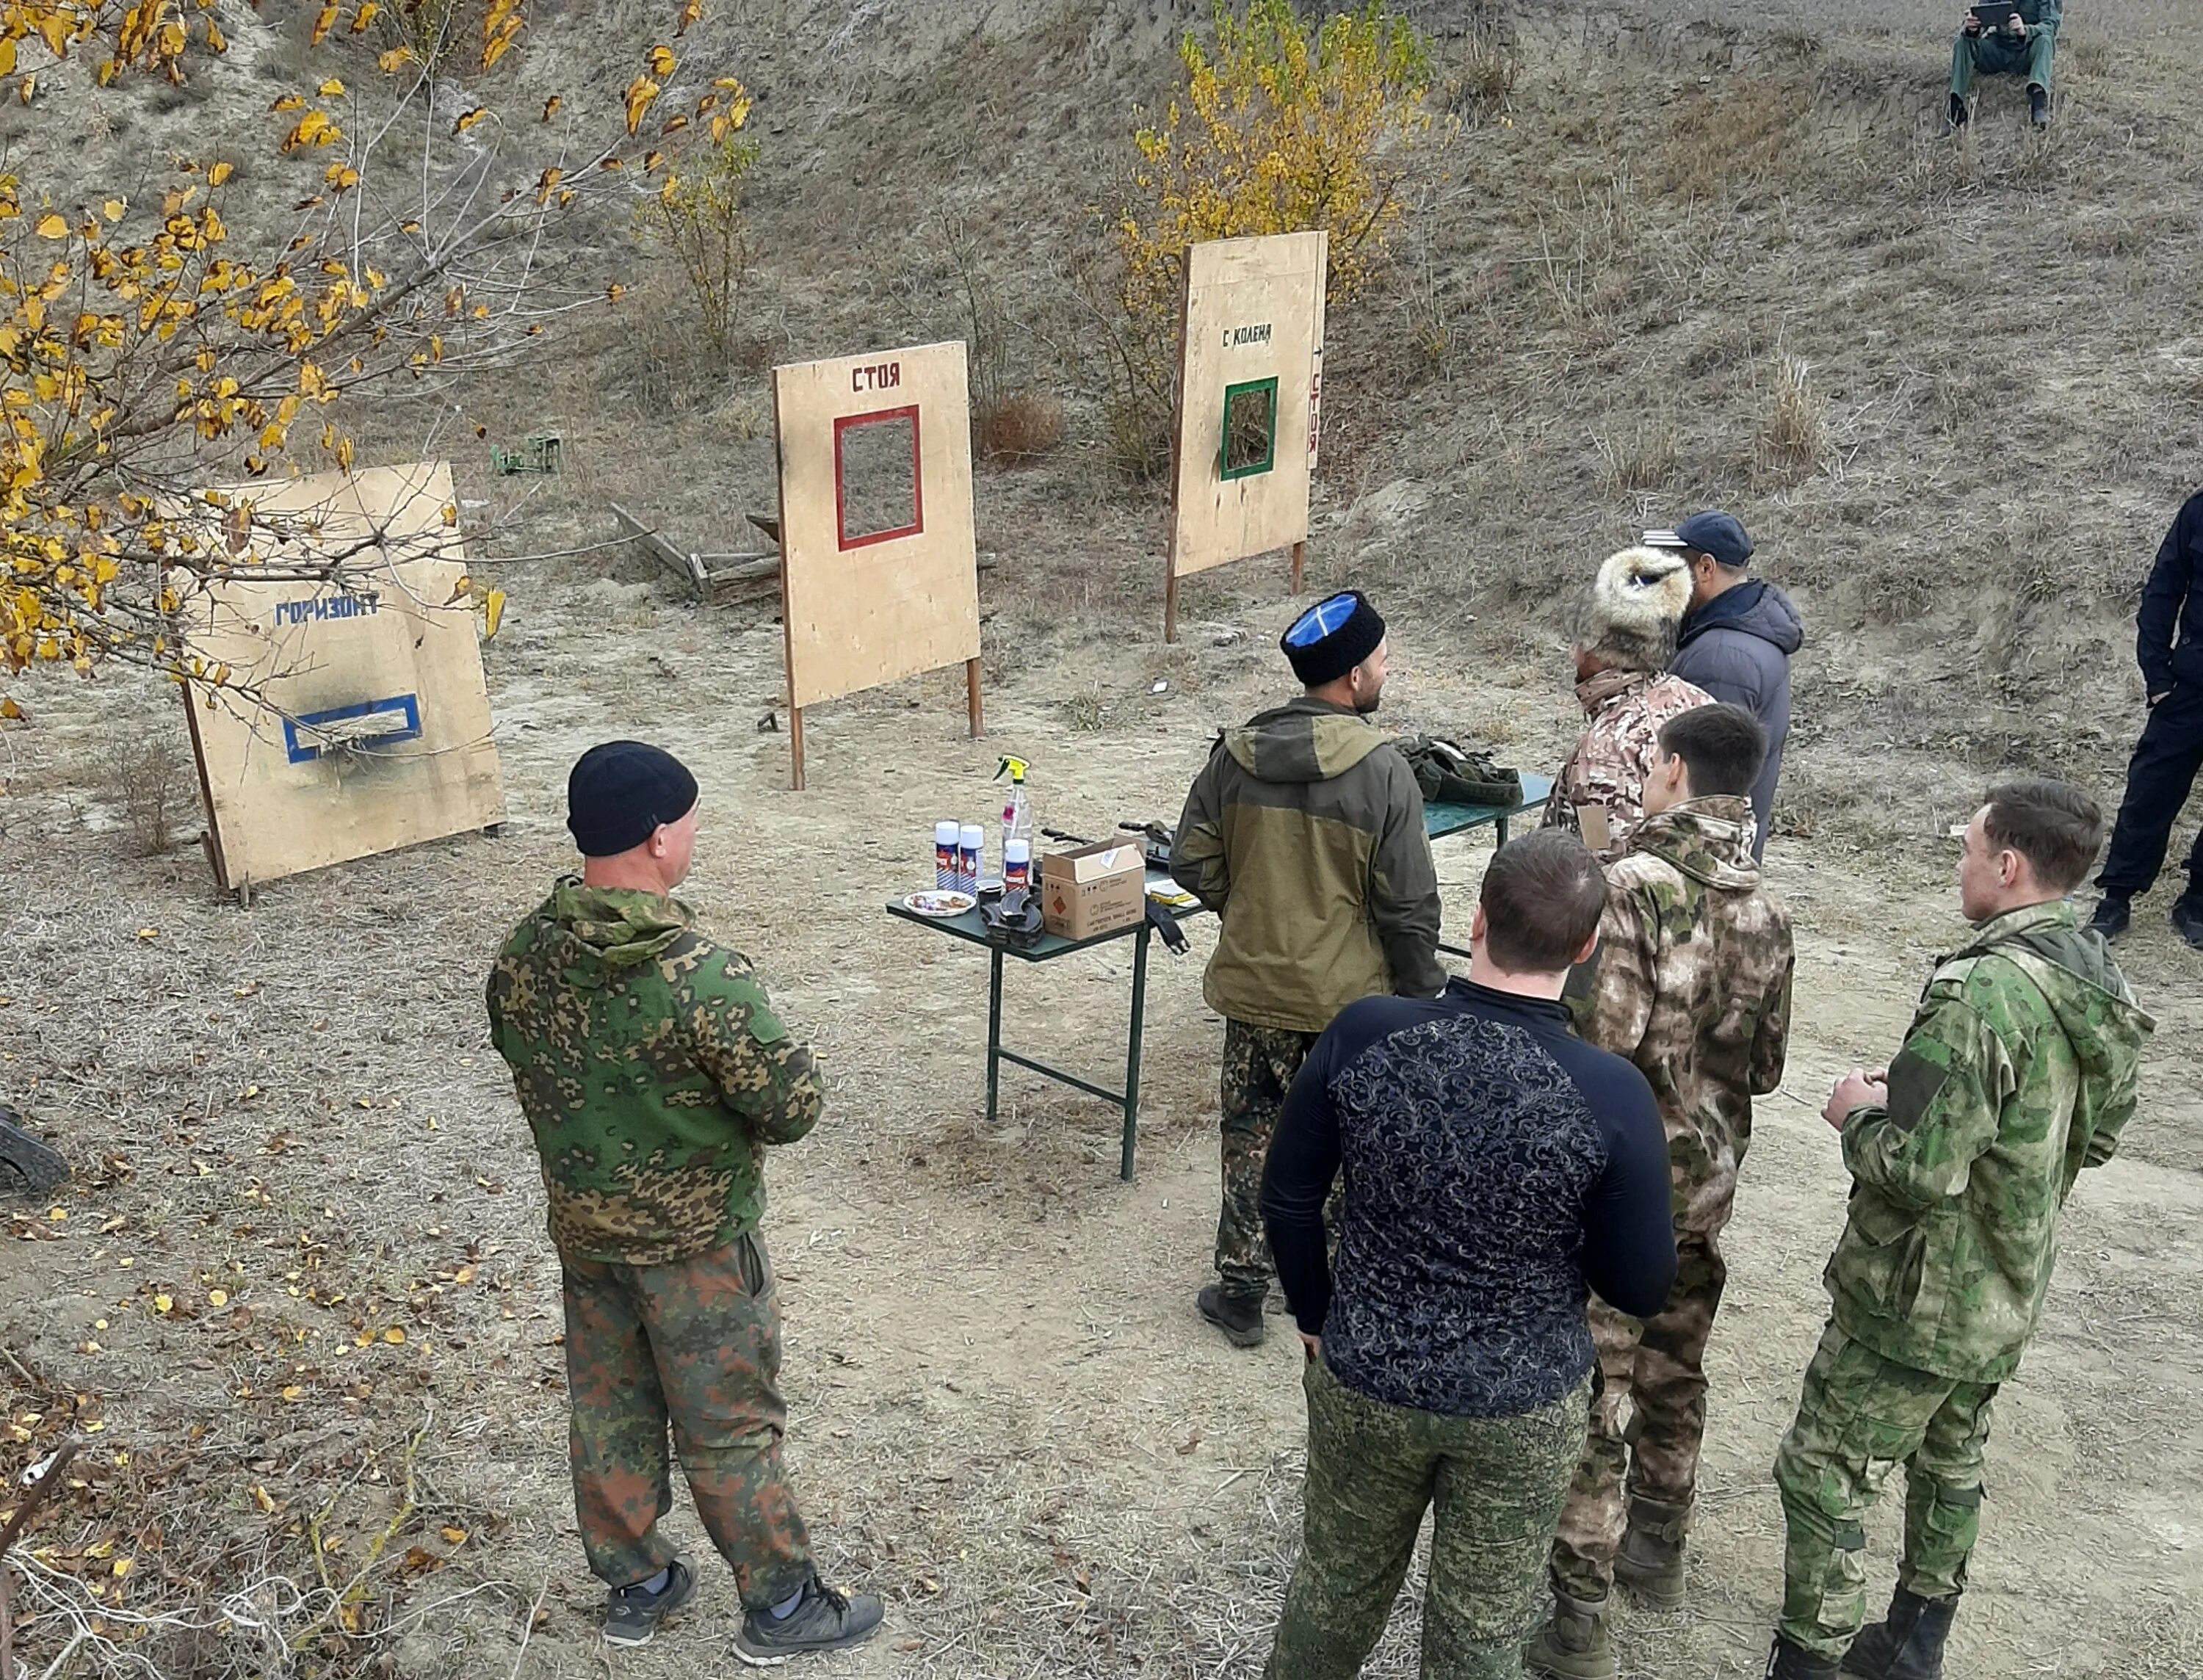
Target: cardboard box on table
[1093, 890]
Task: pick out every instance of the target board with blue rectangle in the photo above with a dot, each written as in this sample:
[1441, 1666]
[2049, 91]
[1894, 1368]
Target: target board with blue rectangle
[357, 718]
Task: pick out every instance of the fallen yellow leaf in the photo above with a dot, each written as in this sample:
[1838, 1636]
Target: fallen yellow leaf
[294, 1392]
[394, 1336]
[217, 1298]
[260, 1498]
[53, 226]
[163, 1303]
[455, 1535]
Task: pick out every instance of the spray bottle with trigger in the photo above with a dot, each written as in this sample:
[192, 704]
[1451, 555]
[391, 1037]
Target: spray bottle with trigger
[1016, 825]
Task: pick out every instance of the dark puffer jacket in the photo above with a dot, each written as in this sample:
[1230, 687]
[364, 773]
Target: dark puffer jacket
[1737, 647]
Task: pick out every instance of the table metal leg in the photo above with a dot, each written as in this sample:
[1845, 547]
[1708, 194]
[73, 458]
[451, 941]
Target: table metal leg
[1133, 1051]
[994, 1034]
[1501, 829]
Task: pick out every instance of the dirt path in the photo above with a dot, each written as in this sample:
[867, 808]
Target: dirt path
[1007, 1416]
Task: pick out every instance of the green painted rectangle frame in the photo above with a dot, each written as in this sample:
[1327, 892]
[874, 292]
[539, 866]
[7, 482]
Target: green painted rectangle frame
[1224, 466]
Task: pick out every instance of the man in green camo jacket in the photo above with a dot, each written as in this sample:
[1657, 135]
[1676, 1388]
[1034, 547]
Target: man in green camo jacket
[2018, 1072]
[653, 1073]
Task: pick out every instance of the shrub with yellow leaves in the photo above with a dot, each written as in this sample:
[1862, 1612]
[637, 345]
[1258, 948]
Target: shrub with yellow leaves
[697, 216]
[1284, 126]
[149, 353]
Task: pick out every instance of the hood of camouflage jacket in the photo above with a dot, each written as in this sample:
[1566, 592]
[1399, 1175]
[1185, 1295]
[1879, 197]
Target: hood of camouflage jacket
[599, 929]
[2071, 966]
[1709, 839]
[1601, 689]
[1304, 740]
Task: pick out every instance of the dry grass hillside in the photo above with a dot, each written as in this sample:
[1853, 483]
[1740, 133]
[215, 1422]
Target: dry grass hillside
[1688, 255]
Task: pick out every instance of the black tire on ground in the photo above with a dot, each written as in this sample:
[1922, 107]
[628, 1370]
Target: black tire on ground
[27, 1162]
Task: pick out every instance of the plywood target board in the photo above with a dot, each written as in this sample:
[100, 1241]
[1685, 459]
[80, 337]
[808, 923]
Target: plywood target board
[879, 567]
[375, 733]
[1249, 399]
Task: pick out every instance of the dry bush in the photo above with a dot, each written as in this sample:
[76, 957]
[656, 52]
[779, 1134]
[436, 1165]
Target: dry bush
[1643, 458]
[1486, 65]
[149, 781]
[1793, 437]
[1018, 426]
[1738, 137]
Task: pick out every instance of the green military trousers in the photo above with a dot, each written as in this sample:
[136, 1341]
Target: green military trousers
[1260, 1063]
[1648, 1416]
[1860, 1416]
[1497, 1485]
[694, 1343]
[1992, 53]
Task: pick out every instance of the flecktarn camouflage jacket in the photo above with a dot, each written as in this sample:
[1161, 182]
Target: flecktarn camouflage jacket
[652, 1069]
[1691, 982]
[2018, 1072]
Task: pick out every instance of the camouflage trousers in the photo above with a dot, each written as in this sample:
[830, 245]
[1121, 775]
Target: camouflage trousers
[1259, 1065]
[1861, 1415]
[1495, 1484]
[1655, 1368]
[694, 1343]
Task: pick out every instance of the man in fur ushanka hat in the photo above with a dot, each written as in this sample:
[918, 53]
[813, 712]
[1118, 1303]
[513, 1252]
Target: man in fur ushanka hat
[1623, 646]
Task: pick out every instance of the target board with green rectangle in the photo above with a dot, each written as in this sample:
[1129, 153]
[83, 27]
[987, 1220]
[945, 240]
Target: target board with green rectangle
[1250, 374]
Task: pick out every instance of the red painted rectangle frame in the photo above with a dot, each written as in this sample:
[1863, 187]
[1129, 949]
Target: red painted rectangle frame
[841, 536]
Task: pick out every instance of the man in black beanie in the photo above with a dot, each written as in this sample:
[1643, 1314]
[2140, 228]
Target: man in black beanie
[1304, 833]
[653, 1073]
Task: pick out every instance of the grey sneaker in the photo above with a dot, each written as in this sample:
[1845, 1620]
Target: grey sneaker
[632, 1613]
[825, 1620]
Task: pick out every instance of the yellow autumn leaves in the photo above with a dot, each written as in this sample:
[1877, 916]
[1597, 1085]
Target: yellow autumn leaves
[1284, 126]
[127, 327]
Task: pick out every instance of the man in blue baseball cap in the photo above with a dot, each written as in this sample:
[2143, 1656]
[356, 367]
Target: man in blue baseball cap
[1304, 833]
[1736, 639]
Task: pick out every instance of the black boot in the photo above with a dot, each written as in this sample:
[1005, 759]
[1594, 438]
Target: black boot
[2187, 918]
[1908, 1645]
[2038, 107]
[1239, 1316]
[1955, 115]
[2114, 911]
[1787, 1662]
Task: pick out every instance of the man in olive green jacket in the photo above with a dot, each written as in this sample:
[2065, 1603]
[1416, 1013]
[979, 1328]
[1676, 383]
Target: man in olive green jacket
[1304, 833]
[2018, 1072]
[2023, 45]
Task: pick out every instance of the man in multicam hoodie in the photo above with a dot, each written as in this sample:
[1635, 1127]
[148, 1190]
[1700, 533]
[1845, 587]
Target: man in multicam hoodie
[1623, 649]
[1691, 982]
[654, 1073]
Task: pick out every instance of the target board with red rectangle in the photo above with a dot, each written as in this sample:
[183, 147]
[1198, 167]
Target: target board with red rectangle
[879, 566]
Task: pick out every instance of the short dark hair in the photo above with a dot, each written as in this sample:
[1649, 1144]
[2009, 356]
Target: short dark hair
[1542, 897]
[2054, 825]
[1721, 745]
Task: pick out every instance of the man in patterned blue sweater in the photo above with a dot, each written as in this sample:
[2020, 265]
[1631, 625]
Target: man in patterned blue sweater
[1497, 1169]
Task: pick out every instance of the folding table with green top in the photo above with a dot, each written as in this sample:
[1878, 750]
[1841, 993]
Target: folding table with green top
[1439, 821]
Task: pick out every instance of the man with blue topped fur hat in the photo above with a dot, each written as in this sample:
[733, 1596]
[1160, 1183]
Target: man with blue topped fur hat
[1304, 833]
